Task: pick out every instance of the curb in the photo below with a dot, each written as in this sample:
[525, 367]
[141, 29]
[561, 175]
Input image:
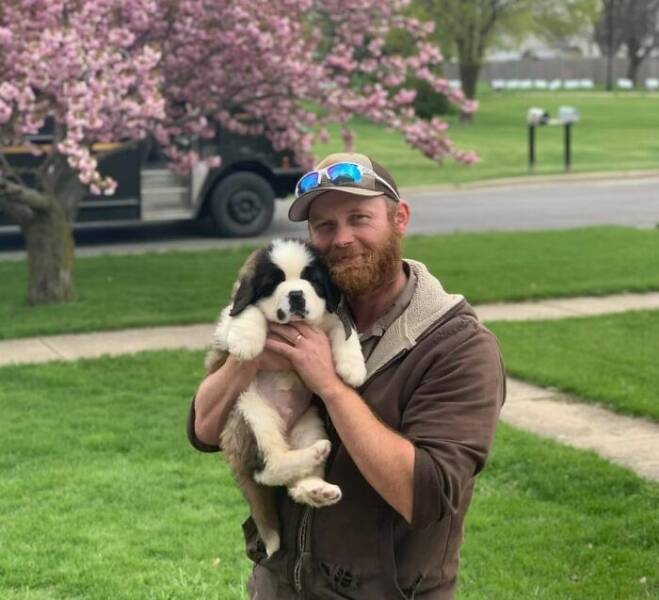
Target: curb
[534, 180]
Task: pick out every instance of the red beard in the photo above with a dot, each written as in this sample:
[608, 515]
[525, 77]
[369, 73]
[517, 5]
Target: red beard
[366, 270]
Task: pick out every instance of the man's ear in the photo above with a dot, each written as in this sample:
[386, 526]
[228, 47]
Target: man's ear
[402, 217]
[244, 297]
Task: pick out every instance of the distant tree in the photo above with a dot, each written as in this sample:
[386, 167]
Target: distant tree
[467, 28]
[640, 34]
[633, 24]
[561, 19]
[608, 34]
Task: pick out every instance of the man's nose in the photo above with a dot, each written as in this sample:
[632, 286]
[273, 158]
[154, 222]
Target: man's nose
[343, 236]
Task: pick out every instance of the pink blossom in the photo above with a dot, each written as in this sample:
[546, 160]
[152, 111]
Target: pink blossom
[124, 69]
[5, 112]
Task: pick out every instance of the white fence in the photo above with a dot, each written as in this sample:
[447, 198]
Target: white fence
[651, 84]
[569, 73]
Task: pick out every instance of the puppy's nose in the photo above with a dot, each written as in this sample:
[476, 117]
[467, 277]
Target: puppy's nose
[296, 300]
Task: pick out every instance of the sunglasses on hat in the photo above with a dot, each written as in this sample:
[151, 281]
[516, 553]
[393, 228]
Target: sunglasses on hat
[342, 173]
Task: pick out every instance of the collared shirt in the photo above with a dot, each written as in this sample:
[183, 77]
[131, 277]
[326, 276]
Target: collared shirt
[369, 339]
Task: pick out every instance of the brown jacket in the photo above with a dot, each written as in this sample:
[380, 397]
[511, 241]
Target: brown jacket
[437, 377]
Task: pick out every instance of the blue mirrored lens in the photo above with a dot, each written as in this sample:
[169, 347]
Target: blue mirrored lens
[342, 173]
[308, 182]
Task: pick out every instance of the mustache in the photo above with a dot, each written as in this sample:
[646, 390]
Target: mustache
[338, 254]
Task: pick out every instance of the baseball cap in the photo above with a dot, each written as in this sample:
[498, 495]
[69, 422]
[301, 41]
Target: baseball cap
[368, 187]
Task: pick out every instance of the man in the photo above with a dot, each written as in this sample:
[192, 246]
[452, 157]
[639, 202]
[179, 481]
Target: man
[409, 442]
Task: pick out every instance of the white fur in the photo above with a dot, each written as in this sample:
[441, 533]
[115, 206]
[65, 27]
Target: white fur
[280, 300]
[290, 256]
[296, 459]
[347, 353]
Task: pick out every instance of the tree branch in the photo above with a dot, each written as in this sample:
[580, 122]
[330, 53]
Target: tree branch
[11, 172]
[21, 195]
[19, 212]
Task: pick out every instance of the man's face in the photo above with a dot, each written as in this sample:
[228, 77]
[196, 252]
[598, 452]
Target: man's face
[359, 238]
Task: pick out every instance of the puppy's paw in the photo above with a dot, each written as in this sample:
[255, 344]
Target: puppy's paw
[352, 372]
[315, 492]
[221, 330]
[245, 344]
[321, 450]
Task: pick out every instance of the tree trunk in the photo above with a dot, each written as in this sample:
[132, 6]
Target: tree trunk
[469, 80]
[609, 72]
[611, 51]
[50, 254]
[633, 65]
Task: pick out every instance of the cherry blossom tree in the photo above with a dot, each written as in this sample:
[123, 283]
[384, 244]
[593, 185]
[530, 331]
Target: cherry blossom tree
[121, 70]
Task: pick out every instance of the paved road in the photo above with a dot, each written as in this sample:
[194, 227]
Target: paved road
[541, 206]
[528, 206]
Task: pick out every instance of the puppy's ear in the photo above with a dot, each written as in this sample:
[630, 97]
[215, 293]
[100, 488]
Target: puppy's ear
[245, 296]
[332, 295]
[331, 292]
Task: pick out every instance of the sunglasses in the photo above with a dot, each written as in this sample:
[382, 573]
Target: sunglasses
[342, 173]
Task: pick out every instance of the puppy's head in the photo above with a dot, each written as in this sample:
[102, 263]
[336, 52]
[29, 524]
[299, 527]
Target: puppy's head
[288, 281]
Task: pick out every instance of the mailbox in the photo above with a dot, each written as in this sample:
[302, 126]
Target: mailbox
[537, 116]
[568, 114]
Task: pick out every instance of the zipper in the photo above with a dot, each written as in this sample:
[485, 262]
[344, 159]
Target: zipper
[301, 543]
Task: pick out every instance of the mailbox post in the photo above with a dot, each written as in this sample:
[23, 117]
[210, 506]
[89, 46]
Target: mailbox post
[535, 117]
[567, 115]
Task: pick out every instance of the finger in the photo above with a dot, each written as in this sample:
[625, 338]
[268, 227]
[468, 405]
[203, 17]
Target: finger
[281, 348]
[287, 332]
[276, 336]
[306, 329]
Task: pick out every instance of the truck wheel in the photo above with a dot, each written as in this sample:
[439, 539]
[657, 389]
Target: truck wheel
[242, 205]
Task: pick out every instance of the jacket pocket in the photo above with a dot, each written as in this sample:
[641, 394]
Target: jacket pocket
[418, 561]
[339, 578]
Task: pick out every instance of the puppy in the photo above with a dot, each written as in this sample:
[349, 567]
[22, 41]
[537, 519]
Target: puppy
[283, 282]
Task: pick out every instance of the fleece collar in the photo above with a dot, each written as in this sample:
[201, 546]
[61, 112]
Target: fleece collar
[429, 303]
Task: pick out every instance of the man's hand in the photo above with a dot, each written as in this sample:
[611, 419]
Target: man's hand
[308, 350]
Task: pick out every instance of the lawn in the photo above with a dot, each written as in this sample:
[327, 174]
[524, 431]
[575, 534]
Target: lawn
[190, 287]
[611, 360]
[102, 497]
[617, 131]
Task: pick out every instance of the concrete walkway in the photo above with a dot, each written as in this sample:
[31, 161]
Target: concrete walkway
[585, 306]
[195, 337]
[627, 441]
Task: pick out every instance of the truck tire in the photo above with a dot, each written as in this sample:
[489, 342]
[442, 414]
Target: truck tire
[242, 205]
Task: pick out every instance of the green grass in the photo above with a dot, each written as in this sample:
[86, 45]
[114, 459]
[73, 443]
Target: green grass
[101, 497]
[548, 521]
[190, 287]
[611, 360]
[617, 131]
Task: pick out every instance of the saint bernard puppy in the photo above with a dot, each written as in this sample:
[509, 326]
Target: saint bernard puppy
[264, 446]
